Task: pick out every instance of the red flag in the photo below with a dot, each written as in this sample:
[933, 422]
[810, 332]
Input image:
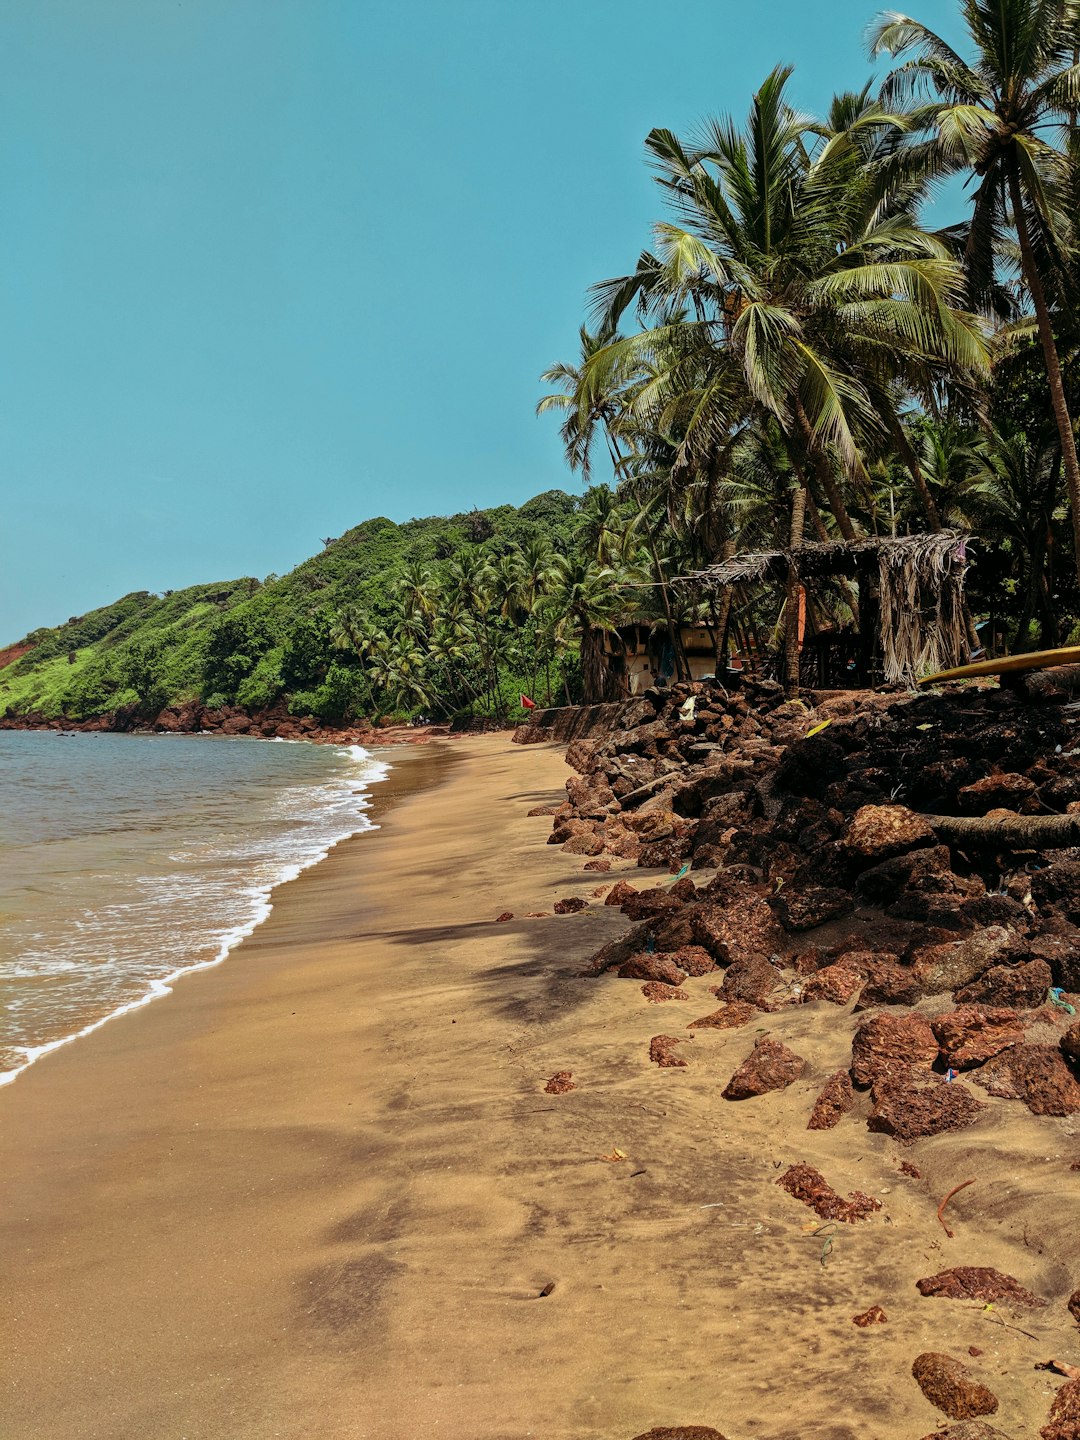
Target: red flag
[527, 704]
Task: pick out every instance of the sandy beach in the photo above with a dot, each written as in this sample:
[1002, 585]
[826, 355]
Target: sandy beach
[318, 1191]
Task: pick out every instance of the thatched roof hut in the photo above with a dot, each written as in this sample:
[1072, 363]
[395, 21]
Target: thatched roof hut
[919, 603]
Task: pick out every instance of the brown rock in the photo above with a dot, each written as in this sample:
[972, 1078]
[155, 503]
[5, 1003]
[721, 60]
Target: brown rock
[619, 893]
[728, 1017]
[570, 906]
[835, 983]
[947, 967]
[694, 959]
[1074, 1305]
[906, 1168]
[646, 966]
[597, 865]
[581, 755]
[584, 843]
[1019, 986]
[506, 915]
[887, 982]
[995, 792]
[730, 932]
[877, 832]
[972, 1034]
[911, 1107]
[874, 1316]
[805, 1183]
[751, 978]
[886, 882]
[835, 1100]
[769, 1066]
[887, 1045]
[561, 1082]
[681, 1432]
[1039, 1075]
[661, 1051]
[655, 991]
[1063, 1422]
[1070, 1041]
[806, 909]
[968, 1430]
[542, 810]
[978, 1282]
[946, 1383]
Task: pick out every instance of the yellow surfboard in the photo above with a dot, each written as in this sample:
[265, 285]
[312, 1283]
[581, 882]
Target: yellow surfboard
[1008, 664]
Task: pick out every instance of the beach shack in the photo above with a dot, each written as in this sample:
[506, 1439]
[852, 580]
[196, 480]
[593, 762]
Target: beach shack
[642, 650]
[904, 595]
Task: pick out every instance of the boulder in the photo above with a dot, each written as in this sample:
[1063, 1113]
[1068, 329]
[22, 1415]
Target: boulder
[887, 982]
[888, 880]
[878, 832]
[731, 932]
[1074, 1305]
[1020, 987]
[995, 792]
[769, 1066]
[834, 1102]
[728, 1017]
[694, 959]
[752, 978]
[581, 755]
[597, 865]
[947, 1384]
[1063, 1422]
[973, 1034]
[1055, 890]
[979, 1282]
[950, 966]
[647, 965]
[570, 906]
[1070, 1041]
[889, 1045]
[619, 893]
[584, 843]
[836, 983]
[1039, 1075]
[806, 909]
[912, 1107]
[805, 1183]
[656, 992]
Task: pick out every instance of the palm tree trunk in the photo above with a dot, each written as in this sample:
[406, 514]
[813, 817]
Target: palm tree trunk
[823, 471]
[682, 667]
[1050, 355]
[722, 616]
[791, 602]
[914, 469]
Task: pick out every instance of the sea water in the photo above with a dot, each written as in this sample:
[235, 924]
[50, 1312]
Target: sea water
[127, 860]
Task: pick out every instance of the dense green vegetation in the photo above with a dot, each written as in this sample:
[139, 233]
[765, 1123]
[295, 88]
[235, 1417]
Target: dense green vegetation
[802, 355]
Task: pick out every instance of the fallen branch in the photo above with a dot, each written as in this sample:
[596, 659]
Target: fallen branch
[1009, 832]
[941, 1208]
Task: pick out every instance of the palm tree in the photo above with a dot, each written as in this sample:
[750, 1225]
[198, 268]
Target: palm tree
[586, 599]
[986, 117]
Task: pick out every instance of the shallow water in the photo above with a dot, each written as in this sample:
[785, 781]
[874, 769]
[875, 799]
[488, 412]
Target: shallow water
[125, 860]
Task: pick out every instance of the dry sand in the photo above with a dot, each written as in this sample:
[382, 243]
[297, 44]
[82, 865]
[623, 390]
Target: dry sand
[316, 1192]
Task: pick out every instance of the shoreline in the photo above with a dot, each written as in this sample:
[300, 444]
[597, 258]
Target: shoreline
[162, 987]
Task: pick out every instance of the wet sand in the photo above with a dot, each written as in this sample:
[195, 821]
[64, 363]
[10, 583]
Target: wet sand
[317, 1191]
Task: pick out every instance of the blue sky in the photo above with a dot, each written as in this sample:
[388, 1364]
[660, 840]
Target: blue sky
[271, 267]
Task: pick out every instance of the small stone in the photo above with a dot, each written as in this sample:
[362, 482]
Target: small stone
[968, 1430]
[769, 1066]
[874, 1316]
[728, 1017]
[946, 1383]
[655, 991]
[835, 1100]
[597, 865]
[661, 1051]
[570, 906]
[1074, 1305]
[907, 1168]
[978, 1282]
[805, 1183]
[506, 915]
[560, 1083]
[681, 1432]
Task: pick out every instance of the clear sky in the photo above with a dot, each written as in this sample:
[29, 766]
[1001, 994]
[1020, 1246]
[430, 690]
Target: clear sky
[271, 267]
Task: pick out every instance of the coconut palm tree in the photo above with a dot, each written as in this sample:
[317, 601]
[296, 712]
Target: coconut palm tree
[989, 116]
[586, 599]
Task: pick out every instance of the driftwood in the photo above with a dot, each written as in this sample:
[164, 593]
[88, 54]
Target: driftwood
[1009, 832]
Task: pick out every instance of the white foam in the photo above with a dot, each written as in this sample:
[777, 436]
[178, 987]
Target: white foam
[374, 771]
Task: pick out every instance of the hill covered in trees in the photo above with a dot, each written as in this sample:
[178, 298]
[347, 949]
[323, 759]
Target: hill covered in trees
[440, 615]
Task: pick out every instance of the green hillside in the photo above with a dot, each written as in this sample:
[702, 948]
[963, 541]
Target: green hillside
[331, 638]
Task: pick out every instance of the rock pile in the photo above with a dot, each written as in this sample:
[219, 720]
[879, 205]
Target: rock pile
[817, 866]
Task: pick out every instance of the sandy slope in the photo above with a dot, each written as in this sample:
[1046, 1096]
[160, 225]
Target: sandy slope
[318, 1191]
